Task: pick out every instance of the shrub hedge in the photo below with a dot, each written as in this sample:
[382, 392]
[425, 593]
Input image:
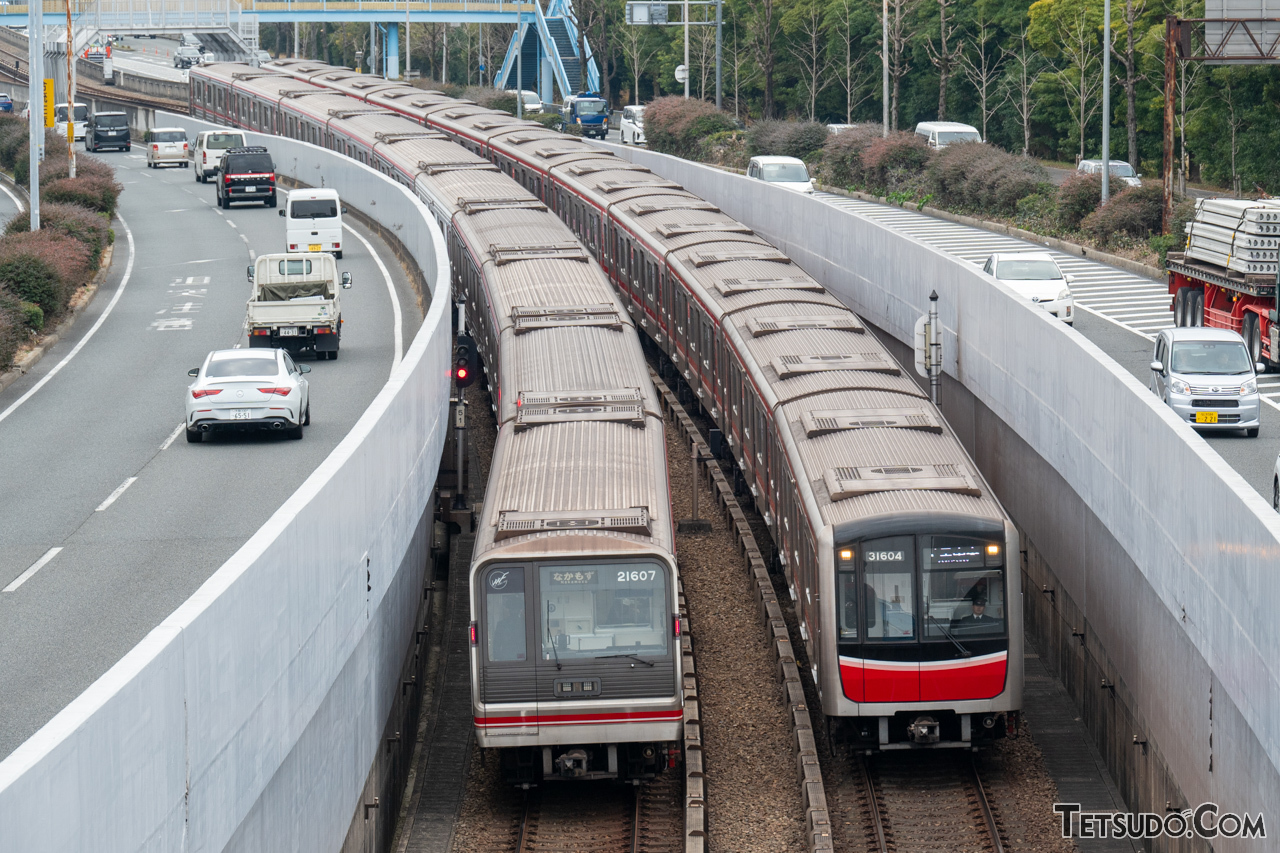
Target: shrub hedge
[1078, 196]
[800, 139]
[74, 221]
[841, 163]
[898, 155]
[673, 125]
[978, 176]
[44, 267]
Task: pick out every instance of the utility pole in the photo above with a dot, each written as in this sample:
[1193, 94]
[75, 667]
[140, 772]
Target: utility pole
[1171, 32]
[35, 100]
[295, 39]
[519, 60]
[1106, 100]
[71, 99]
[719, 24]
[407, 42]
[884, 66]
[686, 50]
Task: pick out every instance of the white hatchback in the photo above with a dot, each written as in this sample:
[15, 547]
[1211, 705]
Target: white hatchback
[248, 389]
[789, 172]
[1035, 276]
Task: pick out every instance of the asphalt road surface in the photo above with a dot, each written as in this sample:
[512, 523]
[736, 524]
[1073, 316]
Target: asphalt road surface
[1117, 310]
[148, 57]
[120, 517]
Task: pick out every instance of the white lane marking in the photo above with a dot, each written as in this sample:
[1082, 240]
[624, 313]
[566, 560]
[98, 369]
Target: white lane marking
[111, 498]
[205, 261]
[124, 282]
[245, 239]
[232, 224]
[35, 567]
[16, 201]
[173, 435]
[391, 289]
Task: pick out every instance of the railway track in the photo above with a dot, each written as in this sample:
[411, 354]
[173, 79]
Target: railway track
[921, 804]
[105, 93]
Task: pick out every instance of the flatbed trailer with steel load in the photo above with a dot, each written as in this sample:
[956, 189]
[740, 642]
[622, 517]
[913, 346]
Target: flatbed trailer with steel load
[1205, 294]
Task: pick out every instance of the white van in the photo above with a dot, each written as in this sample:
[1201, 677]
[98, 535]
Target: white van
[313, 221]
[60, 119]
[940, 134]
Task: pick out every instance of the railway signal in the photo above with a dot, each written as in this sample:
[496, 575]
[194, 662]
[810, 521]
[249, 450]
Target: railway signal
[464, 361]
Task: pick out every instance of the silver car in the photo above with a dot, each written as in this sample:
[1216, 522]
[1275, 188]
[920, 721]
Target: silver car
[167, 145]
[248, 389]
[1207, 378]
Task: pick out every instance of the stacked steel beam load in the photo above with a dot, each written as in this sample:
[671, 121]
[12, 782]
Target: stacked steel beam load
[1240, 234]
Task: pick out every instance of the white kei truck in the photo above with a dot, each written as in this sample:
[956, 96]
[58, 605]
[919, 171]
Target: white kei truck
[296, 303]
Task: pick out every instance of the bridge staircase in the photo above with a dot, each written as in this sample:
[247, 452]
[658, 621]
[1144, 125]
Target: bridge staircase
[552, 35]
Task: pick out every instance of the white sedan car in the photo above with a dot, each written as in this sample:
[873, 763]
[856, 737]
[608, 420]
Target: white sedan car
[1035, 275]
[789, 172]
[257, 389]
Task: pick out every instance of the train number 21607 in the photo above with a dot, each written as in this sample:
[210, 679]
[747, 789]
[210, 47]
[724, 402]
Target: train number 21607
[639, 575]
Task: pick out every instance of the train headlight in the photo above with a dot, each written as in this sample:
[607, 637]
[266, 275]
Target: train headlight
[993, 550]
[993, 554]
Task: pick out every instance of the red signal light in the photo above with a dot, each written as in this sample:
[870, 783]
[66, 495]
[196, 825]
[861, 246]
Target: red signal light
[462, 373]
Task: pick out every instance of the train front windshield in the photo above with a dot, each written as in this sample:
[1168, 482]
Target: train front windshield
[607, 609]
[908, 589]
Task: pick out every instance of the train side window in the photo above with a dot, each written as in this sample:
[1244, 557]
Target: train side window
[706, 341]
[505, 634]
[889, 574]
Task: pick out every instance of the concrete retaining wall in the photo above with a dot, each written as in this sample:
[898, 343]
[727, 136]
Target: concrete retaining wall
[250, 718]
[1163, 559]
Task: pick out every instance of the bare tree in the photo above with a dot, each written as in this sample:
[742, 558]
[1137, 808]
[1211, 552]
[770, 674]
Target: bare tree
[981, 69]
[1129, 60]
[1067, 32]
[765, 26]
[636, 47]
[1024, 66]
[743, 70]
[841, 25]
[899, 56]
[944, 55]
[807, 26]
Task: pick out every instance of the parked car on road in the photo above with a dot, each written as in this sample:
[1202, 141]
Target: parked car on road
[940, 134]
[1118, 168]
[247, 389]
[209, 147]
[1206, 376]
[789, 172]
[632, 125]
[186, 56]
[1035, 276]
[167, 145]
[107, 130]
[6, 103]
[532, 102]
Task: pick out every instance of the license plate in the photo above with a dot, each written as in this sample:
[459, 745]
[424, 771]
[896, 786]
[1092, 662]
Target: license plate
[240, 414]
[1206, 417]
[292, 332]
[249, 189]
[313, 247]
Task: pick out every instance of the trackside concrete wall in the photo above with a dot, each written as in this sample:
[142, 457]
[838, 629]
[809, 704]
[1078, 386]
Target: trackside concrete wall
[249, 719]
[1163, 558]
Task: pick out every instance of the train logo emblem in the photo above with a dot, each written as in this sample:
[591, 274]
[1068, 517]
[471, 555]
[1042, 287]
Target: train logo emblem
[498, 580]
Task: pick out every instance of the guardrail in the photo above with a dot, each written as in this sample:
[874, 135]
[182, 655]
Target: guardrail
[1165, 556]
[251, 716]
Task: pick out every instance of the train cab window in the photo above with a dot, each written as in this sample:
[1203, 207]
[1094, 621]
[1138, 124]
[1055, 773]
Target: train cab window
[964, 589]
[504, 630]
[889, 575]
[603, 610]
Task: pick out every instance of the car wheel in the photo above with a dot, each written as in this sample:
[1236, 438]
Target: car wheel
[1275, 494]
[194, 436]
[226, 203]
[1252, 432]
[128, 148]
[1251, 331]
[306, 418]
[333, 355]
[1180, 306]
[271, 202]
[337, 256]
[199, 176]
[294, 433]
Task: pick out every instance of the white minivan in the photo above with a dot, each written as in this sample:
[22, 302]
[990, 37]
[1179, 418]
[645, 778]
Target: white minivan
[313, 221]
[940, 134]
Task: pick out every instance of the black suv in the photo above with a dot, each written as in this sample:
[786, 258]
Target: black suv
[246, 174]
[187, 56]
[107, 130]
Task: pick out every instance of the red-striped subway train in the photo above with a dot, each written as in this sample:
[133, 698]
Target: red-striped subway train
[901, 562]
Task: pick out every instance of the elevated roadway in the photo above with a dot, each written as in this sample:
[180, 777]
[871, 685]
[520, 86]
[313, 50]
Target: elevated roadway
[119, 517]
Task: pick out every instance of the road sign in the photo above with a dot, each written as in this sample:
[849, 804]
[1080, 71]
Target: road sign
[48, 102]
[642, 13]
[682, 73]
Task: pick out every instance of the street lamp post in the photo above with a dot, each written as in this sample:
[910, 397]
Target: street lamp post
[1106, 100]
[686, 50]
[884, 67]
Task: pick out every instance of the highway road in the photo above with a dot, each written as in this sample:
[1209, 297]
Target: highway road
[149, 57]
[119, 517]
[1117, 310]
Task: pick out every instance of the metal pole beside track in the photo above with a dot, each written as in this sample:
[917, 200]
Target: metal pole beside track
[35, 102]
[1106, 101]
[719, 27]
[519, 60]
[884, 67]
[935, 348]
[71, 99]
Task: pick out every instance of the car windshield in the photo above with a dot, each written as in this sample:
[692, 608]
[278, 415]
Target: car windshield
[82, 113]
[314, 209]
[169, 136]
[1123, 170]
[241, 366]
[591, 108]
[189, 51]
[223, 140]
[784, 172]
[245, 163]
[1027, 270]
[638, 116]
[603, 610]
[948, 136]
[1210, 358]
[112, 121]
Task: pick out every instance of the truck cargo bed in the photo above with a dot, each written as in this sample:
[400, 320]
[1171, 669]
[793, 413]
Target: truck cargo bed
[1254, 285]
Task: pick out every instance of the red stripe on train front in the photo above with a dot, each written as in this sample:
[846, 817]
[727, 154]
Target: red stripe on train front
[581, 719]
[980, 677]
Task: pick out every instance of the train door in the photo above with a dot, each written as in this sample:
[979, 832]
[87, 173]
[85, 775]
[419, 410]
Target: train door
[506, 636]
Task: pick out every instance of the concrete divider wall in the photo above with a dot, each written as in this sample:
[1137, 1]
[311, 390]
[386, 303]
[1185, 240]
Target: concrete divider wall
[1170, 556]
[250, 717]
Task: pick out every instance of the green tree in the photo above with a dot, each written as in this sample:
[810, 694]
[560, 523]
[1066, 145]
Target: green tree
[1068, 33]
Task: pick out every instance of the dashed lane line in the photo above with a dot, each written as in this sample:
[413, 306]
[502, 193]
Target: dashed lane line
[35, 567]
